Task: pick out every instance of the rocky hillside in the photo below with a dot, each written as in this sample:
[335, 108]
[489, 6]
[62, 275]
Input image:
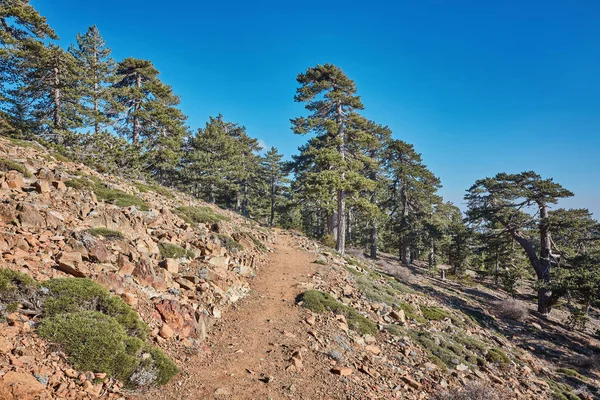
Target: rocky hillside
[178, 262]
[172, 289]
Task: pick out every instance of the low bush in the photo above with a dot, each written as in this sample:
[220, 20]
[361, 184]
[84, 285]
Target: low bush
[512, 309]
[97, 331]
[71, 295]
[199, 215]
[105, 233]
[229, 243]
[434, 313]
[109, 195]
[497, 356]
[94, 342]
[143, 188]
[170, 250]
[9, 165]
[320, 302]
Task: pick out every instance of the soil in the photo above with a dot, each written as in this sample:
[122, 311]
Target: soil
[249, 349]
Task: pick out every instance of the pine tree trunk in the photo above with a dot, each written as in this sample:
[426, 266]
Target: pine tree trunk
[272, 218]
[404, 197]
[96, 95]
[57, 120]
[136, 122]
[341, 228]
[341, 195]
[374, 241]
[349, 223]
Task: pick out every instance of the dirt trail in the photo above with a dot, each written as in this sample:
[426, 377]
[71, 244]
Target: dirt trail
[251, 346]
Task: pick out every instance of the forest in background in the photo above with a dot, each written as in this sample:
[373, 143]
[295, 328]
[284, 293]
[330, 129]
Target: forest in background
[352, 184]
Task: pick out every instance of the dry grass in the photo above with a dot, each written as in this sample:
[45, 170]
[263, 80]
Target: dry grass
[511, 309]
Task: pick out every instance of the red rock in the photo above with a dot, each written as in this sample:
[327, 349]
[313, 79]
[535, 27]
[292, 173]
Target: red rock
[19, 386]
[72, 264]
[171, 265]
[59, 185]
[342, 371]
[14, 179]
[412, 383]
[166, 332]
[41, 186]
[373, 349]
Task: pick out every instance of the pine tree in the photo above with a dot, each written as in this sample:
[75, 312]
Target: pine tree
[97, 69]
[331, 98]
[206, 165]
[136, 84]
[20, 25]
[19, 21]
[48, 82]
[412, 196]
[274, 177]
[501, 202]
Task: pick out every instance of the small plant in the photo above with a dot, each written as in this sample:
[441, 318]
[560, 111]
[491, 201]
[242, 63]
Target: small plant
[328, 241]
[105, 233]
[109, 195]
[473, 391]
[170, 250]
[106, 347]
[512, 309]
[70, 295]
[320, 302]
[586, 361]
[229, 243]
[434, 313]
[578, 320]
[199, 215]
[9, 165]
[143, 188]
[97, 331]
[497, 356]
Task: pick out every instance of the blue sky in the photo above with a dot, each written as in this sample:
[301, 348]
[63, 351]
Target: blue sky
[478, 87]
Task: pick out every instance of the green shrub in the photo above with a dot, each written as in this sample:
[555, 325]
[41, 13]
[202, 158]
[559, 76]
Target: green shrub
[380, 293]
[170, 250]
[199, 215]
[444, 347]
[79, 183]
[94, 342]
[9, 165]
[160, 364]
[105, 233]
[71, 295]
[319, 302]
[434, 313]
[119, 197]
[11, 281]
[229, 243]
[116, 196]
[497, 356]
[143, 188]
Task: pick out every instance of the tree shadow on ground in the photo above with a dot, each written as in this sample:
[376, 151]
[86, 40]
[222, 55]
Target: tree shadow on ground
[548, 339]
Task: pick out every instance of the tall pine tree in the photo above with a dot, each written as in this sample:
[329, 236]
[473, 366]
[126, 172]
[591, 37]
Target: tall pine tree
[96, 66]
[331, 98]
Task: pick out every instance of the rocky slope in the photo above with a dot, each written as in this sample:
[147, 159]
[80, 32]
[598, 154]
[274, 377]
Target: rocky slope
[178, 262]
[247, 312]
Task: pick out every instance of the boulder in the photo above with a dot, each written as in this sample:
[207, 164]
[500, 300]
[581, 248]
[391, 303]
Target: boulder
[19, 386]
[14, 180]
[72, 264]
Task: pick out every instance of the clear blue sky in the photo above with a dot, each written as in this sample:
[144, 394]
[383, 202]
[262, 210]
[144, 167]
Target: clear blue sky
[477, 86]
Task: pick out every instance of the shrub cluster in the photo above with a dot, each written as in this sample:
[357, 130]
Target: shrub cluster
[96, 330]
[199, 215]
[319, 302]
